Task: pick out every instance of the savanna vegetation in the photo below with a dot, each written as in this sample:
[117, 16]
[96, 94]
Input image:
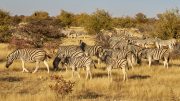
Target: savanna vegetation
[41, 25]
[40, 30]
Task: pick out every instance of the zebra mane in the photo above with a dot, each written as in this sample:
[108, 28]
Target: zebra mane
[12, 52]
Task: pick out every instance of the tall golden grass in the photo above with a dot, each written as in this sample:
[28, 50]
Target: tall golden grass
[145, 84]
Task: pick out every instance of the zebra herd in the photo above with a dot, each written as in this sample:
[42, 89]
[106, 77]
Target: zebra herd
[120, 54]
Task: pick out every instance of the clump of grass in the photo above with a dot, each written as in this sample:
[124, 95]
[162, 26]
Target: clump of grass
[61, 86]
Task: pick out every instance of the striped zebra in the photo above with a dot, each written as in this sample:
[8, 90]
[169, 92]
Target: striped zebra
[28, 55]
[118, 43]
[140, 42]
[151, 41]
[125, 54]
[80, 62]
[66, 51]
[170, 43]
[115, 63]
[156, 54]
[135, 49]
[95, 50]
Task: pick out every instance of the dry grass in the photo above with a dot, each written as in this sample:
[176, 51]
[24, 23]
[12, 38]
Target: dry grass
[144, 84]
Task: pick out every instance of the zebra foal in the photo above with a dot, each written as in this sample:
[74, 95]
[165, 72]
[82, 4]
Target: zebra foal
[28, 55]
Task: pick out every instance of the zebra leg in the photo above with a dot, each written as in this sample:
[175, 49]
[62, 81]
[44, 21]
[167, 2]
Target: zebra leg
[88, 72]
[23, 66]
[157, 45]
[77, 70]
[131, 62]
[99, 61]
[124, 74]
[37, 66]
[66, 67]
[73, 70]
[170, 47]
[166, 63]
[109, 68]
[149, 59]
[46, 64]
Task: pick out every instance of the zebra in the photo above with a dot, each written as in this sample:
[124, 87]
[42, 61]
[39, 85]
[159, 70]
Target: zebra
[66, 51]
[122, 54]
[117, 42]
[140, 42]
[135, 49]
[115, 63]
[170, 43]
[151, 40]
[79, 62]
[125, 54]
[120, 45]
[28, 55]
[156, 54]
[95, 50]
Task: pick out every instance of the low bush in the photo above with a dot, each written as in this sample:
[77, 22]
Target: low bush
[61, 86]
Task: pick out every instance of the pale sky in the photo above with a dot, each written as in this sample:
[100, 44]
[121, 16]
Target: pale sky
[114, 7]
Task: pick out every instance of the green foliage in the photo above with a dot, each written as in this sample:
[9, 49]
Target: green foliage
[40, 15]
[41, 25]
[5, 21]
[141, 18]
[81, 20]
[168, 24]
[124, 22]
[37, 16]
[97, 21]
[5, 17]
[66, 18]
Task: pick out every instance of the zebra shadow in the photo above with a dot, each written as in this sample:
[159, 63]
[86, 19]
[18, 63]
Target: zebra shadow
[88, 94]
[11, 79]
[174, 65]
[139, 77]
[104, 74]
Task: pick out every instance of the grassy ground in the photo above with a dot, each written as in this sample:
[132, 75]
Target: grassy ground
[144, 84]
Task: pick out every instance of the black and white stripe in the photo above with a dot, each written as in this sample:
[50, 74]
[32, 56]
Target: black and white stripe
[125, 54]
[95, 50]
[135, 49]
[118, 43]
[81, 62]
[28, 55]
[156, 54]
[115, 63]
[169, 43]
[67, 51]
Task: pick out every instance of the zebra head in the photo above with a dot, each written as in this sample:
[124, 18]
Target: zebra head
[99, 52]
[56, 63]
[143, 53]
[10, 59]
[105, 54]
[82, 45]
